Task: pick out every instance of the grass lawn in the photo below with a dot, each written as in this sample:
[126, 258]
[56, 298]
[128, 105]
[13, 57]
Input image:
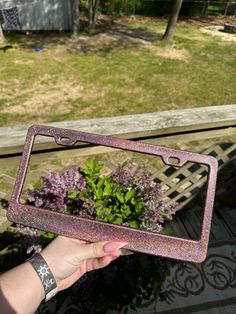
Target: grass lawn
[122, 69]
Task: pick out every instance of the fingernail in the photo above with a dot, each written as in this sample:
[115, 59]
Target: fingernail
[125, 252]
[112, 246]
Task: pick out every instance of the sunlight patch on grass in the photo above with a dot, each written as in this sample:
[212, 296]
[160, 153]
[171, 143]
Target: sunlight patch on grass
[136, 74]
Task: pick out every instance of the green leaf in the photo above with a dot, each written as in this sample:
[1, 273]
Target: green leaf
[92, 169]
[99, 212]
[139, 207]
[100, 182]
[167, 231]
[118, 221]
[46, 237]
[120, 197]
[129, 195]
[133, 224]
[108, 188]
[72, 194]
[127, 211]
[110, 217]
[133, 201]
[99, 192]
[98, 203]
[116, 208]
[91, 183]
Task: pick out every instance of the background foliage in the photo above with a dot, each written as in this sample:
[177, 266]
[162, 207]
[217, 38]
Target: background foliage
[161, 7]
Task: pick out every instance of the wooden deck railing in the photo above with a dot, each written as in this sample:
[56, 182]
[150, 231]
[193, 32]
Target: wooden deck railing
[161, 128]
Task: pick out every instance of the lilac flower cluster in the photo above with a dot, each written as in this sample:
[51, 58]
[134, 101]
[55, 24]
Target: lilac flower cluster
[56, 188]
[53, 194]
[157, 210]
[30, 239]
[126, 174]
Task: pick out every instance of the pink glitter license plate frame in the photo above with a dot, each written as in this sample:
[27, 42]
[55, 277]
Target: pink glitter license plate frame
[91, 230]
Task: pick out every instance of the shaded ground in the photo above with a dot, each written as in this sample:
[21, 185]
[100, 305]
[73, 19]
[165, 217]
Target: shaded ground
[119, 36]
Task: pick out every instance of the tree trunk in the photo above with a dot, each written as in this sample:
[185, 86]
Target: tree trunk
[93, 11]
[90, 13]
[168, 36]
[226, 8]
[134, 4]
[205, 9]
[2, 38]
[75, 16]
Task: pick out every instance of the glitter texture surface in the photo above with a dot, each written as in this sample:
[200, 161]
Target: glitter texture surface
[91, 230]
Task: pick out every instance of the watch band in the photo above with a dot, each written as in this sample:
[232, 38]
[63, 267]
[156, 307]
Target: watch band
[45, 275]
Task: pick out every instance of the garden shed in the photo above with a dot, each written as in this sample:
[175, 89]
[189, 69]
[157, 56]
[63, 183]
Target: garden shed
[41, 14]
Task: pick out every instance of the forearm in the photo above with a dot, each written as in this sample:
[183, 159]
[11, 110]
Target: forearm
[21, 291]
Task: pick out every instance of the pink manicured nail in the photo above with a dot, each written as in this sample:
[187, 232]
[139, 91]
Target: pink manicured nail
[124, 252]
[112, 246]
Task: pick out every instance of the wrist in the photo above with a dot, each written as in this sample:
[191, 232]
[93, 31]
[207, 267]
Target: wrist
[45, 275]
[35, 278]
[53, 265]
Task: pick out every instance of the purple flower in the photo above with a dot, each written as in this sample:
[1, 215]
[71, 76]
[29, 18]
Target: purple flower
[55, 188]
[125, 174]
[30, 239]
[150, 192]
[68, 192]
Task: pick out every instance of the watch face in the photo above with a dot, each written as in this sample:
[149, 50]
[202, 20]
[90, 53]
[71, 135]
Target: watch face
[138, 239]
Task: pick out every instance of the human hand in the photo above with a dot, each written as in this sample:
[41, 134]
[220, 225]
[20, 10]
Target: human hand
[69, 258]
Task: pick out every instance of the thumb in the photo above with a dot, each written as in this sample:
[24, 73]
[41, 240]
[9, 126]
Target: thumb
[99, 249]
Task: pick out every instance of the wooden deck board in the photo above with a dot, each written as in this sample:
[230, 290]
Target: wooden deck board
[228, 215]
[216, 118]
[178, 228]
[219, 230]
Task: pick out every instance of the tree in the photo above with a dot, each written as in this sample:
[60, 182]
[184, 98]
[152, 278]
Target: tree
[2, 38]
[75, 16]
[168, 36]
[205, 8]
[93, 6]
[93, 12]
